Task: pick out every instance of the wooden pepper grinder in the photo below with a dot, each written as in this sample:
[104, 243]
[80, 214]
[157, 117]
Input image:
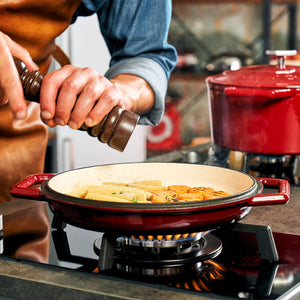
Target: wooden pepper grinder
[116, 127]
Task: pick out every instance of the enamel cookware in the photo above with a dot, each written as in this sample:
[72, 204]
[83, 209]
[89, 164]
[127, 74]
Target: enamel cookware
[245, 192]
[257, 108]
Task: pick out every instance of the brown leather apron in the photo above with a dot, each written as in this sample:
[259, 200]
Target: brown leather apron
[34, 24]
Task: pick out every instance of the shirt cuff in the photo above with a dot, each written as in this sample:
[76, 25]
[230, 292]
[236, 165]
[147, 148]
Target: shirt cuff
[153, 73]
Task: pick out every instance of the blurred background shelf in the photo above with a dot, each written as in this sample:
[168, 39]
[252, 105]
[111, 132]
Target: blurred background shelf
[291, 11]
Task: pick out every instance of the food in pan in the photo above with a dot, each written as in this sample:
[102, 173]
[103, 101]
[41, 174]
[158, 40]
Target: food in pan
[148, 191]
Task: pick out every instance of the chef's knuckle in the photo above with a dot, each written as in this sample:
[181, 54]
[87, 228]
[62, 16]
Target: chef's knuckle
[114, 90]
[109, 98]
[89, 71]
[112, 95]
[69, 85]
[104, 81]
[66, 67]
[91, 91]
[48, 79]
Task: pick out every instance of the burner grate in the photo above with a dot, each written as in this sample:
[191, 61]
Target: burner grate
[188, 249]
[160, 241]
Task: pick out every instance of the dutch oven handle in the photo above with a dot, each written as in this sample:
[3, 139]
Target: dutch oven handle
[27, 187]
[282, 197]
[259, 94]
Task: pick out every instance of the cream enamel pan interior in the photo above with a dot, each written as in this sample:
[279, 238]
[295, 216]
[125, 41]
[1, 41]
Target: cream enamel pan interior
[108, 216]
[236, 183]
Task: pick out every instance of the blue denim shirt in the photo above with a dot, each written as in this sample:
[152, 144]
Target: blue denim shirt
[136, 33]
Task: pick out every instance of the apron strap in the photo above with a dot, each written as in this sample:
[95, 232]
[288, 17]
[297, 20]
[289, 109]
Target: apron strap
[61, 57]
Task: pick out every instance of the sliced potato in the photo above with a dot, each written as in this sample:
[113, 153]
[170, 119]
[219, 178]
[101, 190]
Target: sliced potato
[100, 197]
[79, 191]
[146, 191]
[118, 191]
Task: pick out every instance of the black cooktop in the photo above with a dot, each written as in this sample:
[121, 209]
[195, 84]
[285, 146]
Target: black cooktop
[249, 261]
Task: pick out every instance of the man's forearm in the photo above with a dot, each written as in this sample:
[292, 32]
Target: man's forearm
[140, 95]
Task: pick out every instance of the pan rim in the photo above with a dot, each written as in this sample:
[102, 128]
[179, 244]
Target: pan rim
[231, 200]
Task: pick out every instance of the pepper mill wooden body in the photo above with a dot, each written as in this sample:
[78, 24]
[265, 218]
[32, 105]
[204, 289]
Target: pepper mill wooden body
[116, 127]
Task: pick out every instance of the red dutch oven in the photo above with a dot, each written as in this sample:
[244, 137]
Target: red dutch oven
[109, 216]
[257, 108]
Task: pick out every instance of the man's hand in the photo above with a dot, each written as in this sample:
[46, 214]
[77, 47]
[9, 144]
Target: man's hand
[11, 90]
[75, 96]
[71, 95]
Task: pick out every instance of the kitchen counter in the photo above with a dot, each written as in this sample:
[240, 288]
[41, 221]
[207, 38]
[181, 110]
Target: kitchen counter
[26, 280]
[281, 218]
[21, 280]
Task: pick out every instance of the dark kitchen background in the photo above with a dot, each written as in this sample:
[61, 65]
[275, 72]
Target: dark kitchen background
[212, 36]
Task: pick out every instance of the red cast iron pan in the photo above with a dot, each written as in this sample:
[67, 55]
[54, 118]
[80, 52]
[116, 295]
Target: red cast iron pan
[246, 191]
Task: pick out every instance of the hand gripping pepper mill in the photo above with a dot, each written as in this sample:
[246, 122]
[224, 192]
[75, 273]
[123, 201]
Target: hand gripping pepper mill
[115, 128]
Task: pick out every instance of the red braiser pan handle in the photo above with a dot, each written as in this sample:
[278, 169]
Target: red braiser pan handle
[25, 188]
[258, 94]
[282, 197]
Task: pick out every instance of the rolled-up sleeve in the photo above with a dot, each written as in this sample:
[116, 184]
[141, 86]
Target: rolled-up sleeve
[136, 33]
[155, 76]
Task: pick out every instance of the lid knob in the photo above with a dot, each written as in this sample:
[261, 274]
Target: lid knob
[281, 56]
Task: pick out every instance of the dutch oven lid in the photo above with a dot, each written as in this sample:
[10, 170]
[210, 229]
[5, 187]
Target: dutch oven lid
[263, 76]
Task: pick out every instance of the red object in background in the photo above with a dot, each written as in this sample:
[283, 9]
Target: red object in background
[256, 109]
[167, 134]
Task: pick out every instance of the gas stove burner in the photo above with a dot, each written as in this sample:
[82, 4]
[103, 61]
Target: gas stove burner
[199, 250]
[273, 166]
[152, 252]
[160, 241]
[284, 166]
[163, 272]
